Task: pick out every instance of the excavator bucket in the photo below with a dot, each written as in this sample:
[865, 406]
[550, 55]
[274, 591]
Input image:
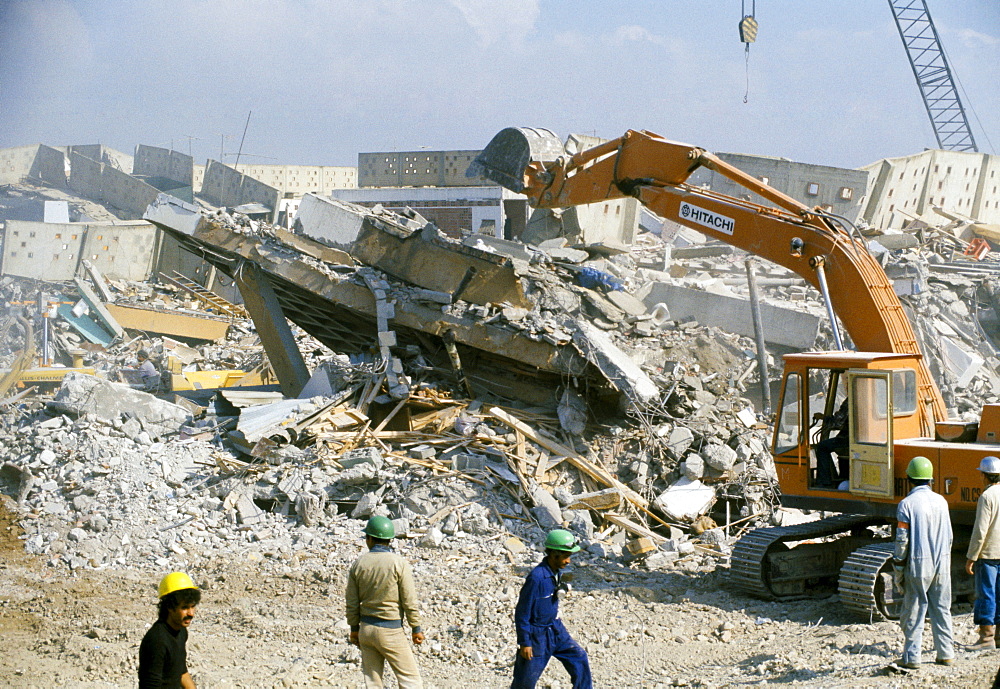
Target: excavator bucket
[505, 157]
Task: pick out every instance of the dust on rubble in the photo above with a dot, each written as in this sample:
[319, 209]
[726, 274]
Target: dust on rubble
[11, 545]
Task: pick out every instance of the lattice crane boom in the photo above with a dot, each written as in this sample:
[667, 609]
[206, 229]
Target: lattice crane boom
[934, 77]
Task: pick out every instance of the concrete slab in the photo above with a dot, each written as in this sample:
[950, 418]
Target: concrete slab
[782, 326]
[169, 323]
[599, 350]
[85, 325]
[963, 364]
[330, 222]
[686, 500]
[83, 394]
[98, 308]
[432, 261]
[180, 215]
[627, 303]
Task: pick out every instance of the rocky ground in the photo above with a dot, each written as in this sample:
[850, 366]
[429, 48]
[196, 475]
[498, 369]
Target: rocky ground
[283, 626]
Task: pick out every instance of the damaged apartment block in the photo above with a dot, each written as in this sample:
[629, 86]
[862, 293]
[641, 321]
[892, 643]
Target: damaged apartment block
[466, 307]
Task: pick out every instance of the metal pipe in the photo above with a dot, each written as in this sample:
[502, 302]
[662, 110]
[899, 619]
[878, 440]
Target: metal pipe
[45, 338]
[758, 329]
[817, 264]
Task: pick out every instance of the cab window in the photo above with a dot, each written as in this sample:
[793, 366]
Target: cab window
[788, 428]
[904, 392]
[869, 403]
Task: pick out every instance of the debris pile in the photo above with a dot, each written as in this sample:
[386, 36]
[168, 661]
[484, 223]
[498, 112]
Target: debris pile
[595, 395]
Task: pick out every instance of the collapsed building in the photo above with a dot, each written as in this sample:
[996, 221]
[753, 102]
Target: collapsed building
[469, 385]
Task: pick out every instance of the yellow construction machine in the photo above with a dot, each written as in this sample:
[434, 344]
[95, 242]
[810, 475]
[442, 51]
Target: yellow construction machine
[896, 410]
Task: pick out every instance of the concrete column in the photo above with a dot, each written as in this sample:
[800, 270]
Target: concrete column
[275, 333]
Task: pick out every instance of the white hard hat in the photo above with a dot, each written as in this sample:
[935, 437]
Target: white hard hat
[990, 465]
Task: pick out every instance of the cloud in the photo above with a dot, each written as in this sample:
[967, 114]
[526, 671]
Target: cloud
[974, 39]
[634, 34]
[495, 21]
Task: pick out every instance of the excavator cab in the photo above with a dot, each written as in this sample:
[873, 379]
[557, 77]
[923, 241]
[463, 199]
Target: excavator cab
[840, 413]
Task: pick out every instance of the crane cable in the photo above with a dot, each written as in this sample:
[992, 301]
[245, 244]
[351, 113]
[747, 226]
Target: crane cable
[748, 34]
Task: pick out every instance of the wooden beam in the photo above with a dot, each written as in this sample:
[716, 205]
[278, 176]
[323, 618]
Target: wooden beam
[598, 473]
[632, 527]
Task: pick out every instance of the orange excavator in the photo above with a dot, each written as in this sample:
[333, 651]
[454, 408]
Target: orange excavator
[895, 410]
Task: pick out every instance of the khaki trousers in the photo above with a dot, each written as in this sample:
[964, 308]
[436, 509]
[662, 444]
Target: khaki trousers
[379, 644]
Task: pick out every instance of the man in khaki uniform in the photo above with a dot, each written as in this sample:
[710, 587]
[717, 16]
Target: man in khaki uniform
[983, 557]
[379, 594]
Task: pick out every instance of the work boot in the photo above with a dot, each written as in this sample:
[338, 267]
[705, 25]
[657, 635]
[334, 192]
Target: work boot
[987, 640]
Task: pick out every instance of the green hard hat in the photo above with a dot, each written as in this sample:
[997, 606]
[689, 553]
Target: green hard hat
[561, 539]
[920, 468]
[380, 527]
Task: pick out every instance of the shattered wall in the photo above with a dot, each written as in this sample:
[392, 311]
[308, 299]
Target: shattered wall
[152, 161]
[53, 251]
[476, 209]
[103, 154]
[108, 184]
[957, 181]
[221, 185]
[15, 163]
[225, 186]
[49, 166]
[125, 192]
[174, 258]
[254, 190]
[85, 175]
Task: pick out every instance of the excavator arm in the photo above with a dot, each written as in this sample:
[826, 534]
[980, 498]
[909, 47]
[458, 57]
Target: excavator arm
[655, 171]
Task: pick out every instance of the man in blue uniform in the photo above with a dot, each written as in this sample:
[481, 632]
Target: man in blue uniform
[923, 556]
[540, 632]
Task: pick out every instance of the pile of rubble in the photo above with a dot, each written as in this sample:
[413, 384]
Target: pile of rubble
[668, 473]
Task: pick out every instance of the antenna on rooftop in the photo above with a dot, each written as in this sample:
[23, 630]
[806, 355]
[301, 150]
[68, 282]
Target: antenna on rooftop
[236, 165]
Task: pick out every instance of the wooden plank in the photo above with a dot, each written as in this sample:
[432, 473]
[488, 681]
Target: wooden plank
[607, 499]
[632, 527]
[168, 323]
[519, 451]
[541, 466]
[596, 472]
[388, 418]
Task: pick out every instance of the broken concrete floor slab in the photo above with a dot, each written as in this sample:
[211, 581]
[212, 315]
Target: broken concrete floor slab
[343, 314]
[83, 394]
[783, 326]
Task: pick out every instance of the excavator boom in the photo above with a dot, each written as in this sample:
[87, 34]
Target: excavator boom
[654, 170]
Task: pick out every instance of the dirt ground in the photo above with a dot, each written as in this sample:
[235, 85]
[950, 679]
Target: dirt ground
[641, 629]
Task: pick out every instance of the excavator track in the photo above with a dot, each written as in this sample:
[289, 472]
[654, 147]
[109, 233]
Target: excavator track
[865, 583]
[763, 566]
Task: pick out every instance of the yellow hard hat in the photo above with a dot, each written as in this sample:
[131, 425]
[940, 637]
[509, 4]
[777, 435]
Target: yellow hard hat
[175, 581]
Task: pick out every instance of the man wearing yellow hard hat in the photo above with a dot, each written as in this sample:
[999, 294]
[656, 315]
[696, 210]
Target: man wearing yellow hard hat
[163, 651]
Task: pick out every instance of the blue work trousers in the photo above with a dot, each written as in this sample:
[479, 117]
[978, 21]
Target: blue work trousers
[985, 612]
[545, 643]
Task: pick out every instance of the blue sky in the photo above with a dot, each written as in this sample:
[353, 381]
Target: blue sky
[829, 82]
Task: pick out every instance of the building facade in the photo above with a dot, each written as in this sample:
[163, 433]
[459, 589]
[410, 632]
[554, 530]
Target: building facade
[489, 210]
[294, 181]
[837, 190]
[418, 169]
[902, 189]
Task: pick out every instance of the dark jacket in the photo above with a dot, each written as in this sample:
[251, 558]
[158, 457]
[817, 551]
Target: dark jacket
[162, 657]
